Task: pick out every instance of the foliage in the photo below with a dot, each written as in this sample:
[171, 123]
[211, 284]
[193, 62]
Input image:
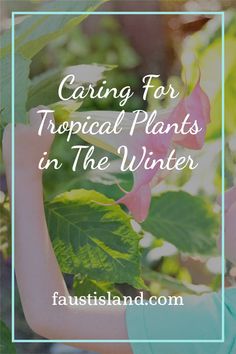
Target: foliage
[6, 346]
[85, 286]
[169, 282]
[31, 35]
[92, 236]
[5, 248]
[107, 46]
[184, 220]
[207, 45]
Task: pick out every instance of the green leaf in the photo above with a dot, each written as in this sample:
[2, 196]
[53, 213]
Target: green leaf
[173, 284]
[6, 346]
[108, 182]
[206, 46]
[21, 88]
[94, 239]
[44, 87]
[84, 287]
[31, 35]
[186, 221]
[36, 31]
[5, 230]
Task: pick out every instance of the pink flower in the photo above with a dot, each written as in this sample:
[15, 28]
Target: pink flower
[138, 199]
[198, 106]
[138, 202]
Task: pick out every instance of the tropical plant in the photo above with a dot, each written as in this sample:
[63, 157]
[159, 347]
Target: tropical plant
[99, 243]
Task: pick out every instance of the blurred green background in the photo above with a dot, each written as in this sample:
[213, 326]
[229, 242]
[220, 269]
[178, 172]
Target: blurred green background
[168, 45]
